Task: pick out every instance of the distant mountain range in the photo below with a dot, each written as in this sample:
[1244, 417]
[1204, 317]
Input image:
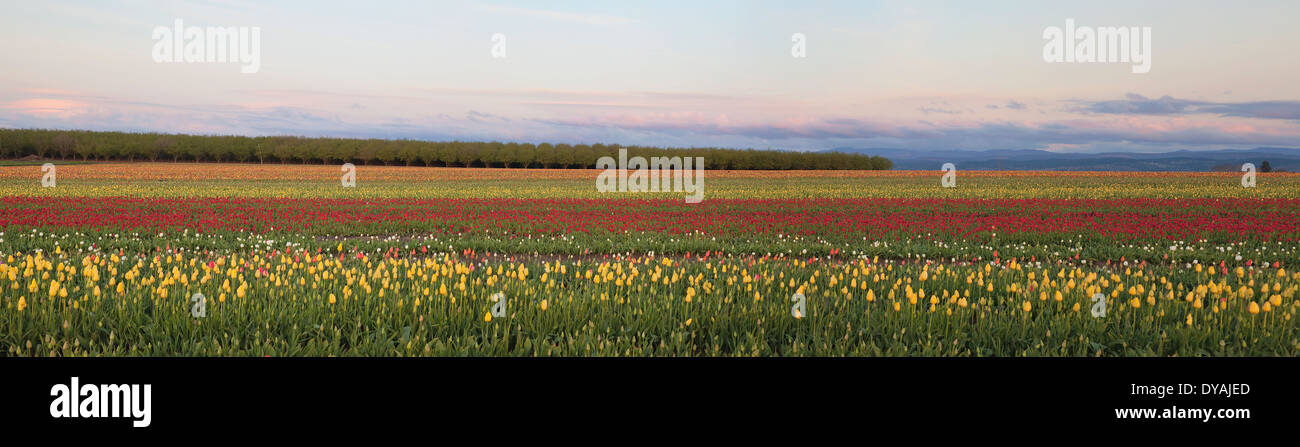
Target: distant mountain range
[1196, 161]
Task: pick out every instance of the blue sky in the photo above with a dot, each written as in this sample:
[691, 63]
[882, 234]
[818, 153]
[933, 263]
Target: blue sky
[916, 75]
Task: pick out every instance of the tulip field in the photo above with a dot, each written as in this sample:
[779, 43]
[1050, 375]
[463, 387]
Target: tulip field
[208, 259]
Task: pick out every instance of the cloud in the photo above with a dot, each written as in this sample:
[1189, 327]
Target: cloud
[1177, 133]
[1135, 104]
[1141, 126]
[572, 17]
[929, 110]
[47, 107]
[700, 124]
[480, 117]
[579, 96]
[1140, 105]
[1286, 110]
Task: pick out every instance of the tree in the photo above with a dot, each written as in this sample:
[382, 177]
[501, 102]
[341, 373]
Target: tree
[1265, 167]
[387, 152]
[545, 155]
[368, 151]
[242, 149]
[265, 149]
[446, 153]
[285, 149]
[88, 145]
[161, 147]
[64, 144]
[496, 155]
[525, 155]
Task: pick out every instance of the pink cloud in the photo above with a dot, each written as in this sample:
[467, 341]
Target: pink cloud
[48, 107]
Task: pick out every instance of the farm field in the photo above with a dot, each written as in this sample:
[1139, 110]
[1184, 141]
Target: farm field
[408, 261]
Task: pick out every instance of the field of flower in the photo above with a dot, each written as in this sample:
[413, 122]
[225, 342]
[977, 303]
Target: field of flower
[229, 180]
[288, 262]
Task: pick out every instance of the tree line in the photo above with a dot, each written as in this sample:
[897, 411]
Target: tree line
[130, 146]
[1232, 167]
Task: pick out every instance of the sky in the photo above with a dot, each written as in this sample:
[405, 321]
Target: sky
[873, 74]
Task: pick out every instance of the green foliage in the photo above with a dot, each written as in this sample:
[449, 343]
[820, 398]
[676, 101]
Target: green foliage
[88, 145]
[338, 303]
